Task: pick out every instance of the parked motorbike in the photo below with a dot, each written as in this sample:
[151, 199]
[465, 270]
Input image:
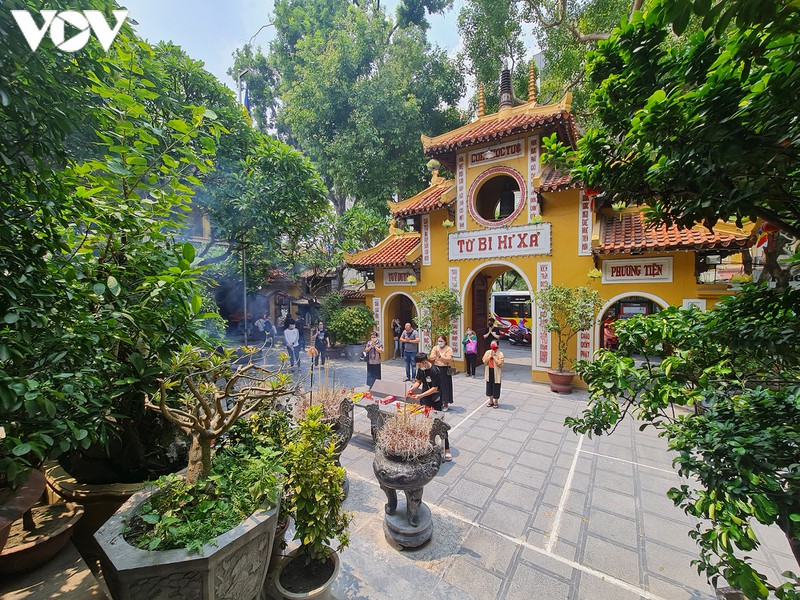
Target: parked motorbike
[519, 334]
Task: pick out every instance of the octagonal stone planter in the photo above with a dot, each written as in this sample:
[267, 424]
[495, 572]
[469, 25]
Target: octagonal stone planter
[233, 566]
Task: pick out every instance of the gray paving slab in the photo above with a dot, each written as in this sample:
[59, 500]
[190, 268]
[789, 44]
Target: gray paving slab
[497, 506]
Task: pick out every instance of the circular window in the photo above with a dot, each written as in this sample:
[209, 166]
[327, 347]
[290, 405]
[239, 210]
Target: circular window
[497, 196]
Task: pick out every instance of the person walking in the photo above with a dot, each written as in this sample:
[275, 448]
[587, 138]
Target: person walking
[428, 378]
[442, 357]
[493, 374]
[292, 339]
[410, 340]
[397, 330]
[321, 340]
[470, 343]
[373, 350]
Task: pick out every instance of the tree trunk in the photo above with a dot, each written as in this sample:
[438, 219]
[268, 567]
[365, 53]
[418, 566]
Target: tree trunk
[772, 268]
[794, 544]
[199, 457]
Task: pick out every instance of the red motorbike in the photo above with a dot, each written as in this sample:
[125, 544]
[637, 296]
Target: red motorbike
[519, 334]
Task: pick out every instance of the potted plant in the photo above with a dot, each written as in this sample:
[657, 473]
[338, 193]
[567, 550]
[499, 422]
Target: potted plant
[351, 326]
[407, 458]
[314, 492]
[204, 535]
[438, 307]
[569, 311]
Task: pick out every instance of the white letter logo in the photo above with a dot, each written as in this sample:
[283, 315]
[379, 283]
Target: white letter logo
[90, 20]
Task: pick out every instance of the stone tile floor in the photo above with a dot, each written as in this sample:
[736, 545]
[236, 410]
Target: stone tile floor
[527, 509]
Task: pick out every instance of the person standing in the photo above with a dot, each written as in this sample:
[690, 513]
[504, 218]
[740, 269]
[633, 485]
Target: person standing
[374, 350]
[492, 334]
[270, 333]
[410, 340]
[442, 357]
[397, 330]
[292, 339]
[260, 324]
[493, 374]
[321, 342]
[470, 343]
[428, 378]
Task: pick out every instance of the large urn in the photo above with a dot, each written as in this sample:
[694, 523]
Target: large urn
[413, 527]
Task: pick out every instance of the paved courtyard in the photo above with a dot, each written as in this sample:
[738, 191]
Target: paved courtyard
[527, 509]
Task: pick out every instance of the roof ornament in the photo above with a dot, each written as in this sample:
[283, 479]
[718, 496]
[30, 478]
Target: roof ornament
[532, 82]
[481, 101]
[506, 98]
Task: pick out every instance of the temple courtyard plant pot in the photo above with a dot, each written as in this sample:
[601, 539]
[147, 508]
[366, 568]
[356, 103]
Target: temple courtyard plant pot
[233, 565]
[561, 381]
[291, 585]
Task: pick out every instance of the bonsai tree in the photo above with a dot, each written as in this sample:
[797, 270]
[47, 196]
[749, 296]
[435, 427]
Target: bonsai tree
[569, 310]
[314, 492]
[439, 306]
[212, 399]
[352, 324]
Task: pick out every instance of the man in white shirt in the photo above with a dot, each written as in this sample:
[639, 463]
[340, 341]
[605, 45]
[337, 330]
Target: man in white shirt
[292, 337]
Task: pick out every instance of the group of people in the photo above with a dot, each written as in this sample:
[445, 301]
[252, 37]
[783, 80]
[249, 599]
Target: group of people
[493, 359]
[295, 342]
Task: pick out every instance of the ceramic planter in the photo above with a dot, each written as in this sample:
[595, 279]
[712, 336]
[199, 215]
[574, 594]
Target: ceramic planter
[561, 381]
[18, 501]
[323, 592]
[233, 565]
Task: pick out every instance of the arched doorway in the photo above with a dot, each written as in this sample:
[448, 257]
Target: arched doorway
[624, 307]
[501, 290]
[397, 306]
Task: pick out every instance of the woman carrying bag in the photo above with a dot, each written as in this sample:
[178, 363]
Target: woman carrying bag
[470, 343]
[442, 357]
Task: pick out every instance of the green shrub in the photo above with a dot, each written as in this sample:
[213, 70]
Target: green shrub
[352, 324]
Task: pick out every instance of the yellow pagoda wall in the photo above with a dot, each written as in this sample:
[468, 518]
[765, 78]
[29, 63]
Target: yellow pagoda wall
[561, 212]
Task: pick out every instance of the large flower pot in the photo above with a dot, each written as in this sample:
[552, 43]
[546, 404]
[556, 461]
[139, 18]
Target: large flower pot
[99, 502]
[320, 592]
[561, 381]
[15, 502]
[233, 565]
[27, 550]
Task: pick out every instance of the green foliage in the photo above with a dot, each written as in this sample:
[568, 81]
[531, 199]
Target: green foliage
[185, 515]
[351, 325]
[737, 368]
[569, 310]
[314, 488]
[355, 91]
[329, 305]
[438, 307]
[700, 128]
[96, 294]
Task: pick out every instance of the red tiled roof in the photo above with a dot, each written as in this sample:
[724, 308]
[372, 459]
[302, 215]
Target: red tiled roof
[352, 294]
[555, 181]
[393, 251]
[487, 130]
[628, 233]
[426, 201]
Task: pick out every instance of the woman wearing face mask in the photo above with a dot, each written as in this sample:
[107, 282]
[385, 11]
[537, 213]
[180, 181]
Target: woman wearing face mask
[292, 338]
[470, 343]
[374, 350]
[442, 357]
[321, 341]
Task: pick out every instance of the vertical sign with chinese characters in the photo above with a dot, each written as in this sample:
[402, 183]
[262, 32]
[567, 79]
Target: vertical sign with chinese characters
[376, 312]
[424, 334]
[585, 225]
[454, 281]
[544, 277]
[426, 240]
[585, 345]
[533, 171]
[461, 194]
